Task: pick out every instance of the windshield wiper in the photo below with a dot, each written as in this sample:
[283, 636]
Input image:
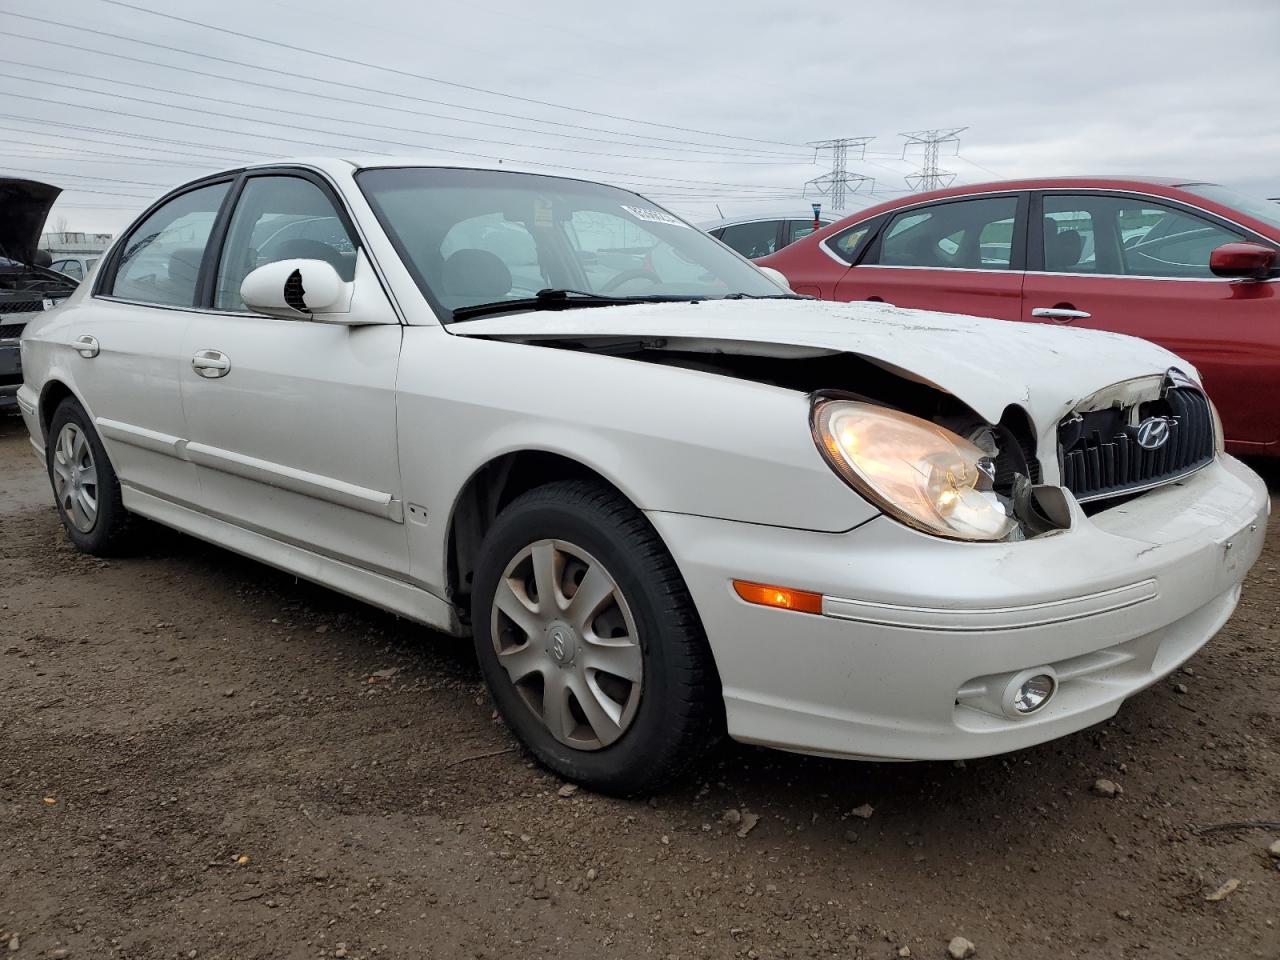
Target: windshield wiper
[766, 296]
[554, 298]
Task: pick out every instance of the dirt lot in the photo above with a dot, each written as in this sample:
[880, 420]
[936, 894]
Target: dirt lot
[194, 763]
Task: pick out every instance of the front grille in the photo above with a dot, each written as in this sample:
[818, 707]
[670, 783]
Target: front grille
[23, 305]
[11, 331]
[1101, 457]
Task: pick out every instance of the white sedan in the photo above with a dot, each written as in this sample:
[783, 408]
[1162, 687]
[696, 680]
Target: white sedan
[665, 496]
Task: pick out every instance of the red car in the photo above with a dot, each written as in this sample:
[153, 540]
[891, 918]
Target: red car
[1191, 266]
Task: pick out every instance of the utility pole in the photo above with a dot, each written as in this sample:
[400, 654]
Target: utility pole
[839, 181]
[930, 176]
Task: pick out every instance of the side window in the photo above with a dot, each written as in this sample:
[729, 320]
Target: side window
[1070, 239]
[280, 218]
[758, 239]
[1130, 237]
[849, 244]
[972, 234]
[72, 269]
[161, 256]
[1166, 242]
[799, 229]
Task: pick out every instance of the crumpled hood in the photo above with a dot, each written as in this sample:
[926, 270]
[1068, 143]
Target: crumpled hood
[988, 364]
[24, 207]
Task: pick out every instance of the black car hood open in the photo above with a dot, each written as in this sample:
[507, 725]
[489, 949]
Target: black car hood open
[24, 207]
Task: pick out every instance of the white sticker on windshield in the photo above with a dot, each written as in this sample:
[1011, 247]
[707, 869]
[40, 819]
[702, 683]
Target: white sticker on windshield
[650, 215]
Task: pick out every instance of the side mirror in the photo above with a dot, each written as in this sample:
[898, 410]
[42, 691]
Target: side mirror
[777, 276]
[298, 290]
[1244, 261]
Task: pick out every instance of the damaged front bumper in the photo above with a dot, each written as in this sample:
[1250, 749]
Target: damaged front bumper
[918, 636]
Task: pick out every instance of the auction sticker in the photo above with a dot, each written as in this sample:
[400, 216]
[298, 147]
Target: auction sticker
[650, 215]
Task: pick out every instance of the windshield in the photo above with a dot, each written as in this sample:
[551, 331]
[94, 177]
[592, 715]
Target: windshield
[472, 237]
[1268, 211]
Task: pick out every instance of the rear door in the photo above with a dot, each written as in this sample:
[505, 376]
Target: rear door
[293, 422]
[961, 255]
[135, 322]
[1139, 265]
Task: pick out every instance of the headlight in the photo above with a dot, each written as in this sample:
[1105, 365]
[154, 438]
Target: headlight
[920, 473]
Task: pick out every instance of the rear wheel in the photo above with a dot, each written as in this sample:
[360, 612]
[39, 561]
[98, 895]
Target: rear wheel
[589, 641]
[85, 487]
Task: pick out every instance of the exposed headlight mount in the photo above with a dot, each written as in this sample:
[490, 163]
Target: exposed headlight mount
[918, 472]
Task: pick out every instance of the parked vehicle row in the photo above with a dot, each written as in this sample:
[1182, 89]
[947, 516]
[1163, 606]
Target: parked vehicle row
[1191, 266]
[26, 288]
[667, 497]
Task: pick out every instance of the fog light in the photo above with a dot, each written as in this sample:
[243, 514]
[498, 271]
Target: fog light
[1028, 692]
[1034, 694]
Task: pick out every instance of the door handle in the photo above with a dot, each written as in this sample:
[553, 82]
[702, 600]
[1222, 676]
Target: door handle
[87, 346]
[211, 364]
[1060, 314]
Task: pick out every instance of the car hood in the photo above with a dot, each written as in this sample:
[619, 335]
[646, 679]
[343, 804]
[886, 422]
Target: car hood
[988, 364]
[24, 207]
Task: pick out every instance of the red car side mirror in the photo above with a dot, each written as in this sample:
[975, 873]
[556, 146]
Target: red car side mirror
[1245, 261]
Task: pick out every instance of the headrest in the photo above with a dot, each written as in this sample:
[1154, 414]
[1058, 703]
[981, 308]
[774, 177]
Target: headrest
[475, 273]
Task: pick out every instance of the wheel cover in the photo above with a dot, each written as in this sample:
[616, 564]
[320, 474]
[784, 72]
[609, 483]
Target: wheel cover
[75, 477]
[564, 633]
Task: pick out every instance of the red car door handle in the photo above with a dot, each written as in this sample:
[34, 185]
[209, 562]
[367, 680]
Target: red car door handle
[1060, 314]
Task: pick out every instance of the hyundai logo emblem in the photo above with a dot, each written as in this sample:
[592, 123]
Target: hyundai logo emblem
[1153, 433]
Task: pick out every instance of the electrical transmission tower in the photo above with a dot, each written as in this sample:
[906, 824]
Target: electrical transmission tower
[930, 176]
[839, 181]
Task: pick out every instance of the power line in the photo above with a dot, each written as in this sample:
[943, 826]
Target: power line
[975, 163]
[684, 142]
[840, 180]
[80, 176]
[930, 176]
[348, 122]
[354, 149]
[95, 154]
[448, 83]
[42, 122]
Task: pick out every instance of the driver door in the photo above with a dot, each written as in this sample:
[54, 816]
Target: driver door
[292, 424]
[1139, 265]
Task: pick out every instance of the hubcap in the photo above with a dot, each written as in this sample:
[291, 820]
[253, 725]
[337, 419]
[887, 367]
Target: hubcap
[75, 477]
[566, 638]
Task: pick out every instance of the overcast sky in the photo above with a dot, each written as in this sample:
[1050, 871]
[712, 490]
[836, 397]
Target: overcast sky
[699, 105]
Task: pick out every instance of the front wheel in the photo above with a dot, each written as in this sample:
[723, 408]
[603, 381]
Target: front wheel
[589, 642]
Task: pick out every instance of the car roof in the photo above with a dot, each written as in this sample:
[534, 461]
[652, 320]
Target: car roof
[1036, 183]
[795, 213]
[347, 164]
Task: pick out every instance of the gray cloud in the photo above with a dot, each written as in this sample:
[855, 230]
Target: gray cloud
[1172, 88]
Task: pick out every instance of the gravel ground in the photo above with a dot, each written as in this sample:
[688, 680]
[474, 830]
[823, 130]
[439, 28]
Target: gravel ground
[202, 757]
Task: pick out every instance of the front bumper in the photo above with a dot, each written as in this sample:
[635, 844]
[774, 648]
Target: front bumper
[917, 632]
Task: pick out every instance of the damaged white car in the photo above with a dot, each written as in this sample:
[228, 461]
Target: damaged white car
[667, 498]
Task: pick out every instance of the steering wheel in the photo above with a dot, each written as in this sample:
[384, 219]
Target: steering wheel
[628, 275]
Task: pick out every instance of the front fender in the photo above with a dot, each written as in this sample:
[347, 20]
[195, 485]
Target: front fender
[671, 439]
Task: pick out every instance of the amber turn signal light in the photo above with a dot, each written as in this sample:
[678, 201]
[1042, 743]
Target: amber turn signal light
[785, 598]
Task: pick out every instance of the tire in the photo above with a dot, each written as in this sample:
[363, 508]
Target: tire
[668, 716]
[73, 454]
